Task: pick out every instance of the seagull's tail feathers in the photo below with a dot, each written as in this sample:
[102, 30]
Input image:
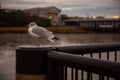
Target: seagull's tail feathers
[56, 38]
[51, 40]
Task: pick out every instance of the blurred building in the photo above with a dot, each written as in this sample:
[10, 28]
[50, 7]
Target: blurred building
[52, 13]
[95, 24]
[100, 17]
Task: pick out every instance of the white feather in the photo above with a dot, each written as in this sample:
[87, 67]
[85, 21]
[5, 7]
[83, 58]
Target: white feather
[40, 32]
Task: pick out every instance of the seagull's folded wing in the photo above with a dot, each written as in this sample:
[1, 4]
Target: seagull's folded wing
[42, 32]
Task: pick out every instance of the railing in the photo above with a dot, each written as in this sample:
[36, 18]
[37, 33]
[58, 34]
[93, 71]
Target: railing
[85, 62]
[70, 64]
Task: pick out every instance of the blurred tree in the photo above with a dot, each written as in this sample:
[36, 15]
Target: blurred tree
[63, 17]
[2, 17]
[16, 18]
[44, 22]
[19, 18]
[40, 21]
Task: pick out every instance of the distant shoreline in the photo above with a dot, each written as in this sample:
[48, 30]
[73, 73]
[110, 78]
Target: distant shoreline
[61, 30]
[53, 29]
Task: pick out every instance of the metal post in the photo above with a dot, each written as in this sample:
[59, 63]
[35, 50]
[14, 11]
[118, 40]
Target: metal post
[31, 63]
[54, 71]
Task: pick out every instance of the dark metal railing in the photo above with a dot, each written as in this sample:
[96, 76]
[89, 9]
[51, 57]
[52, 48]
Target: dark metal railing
[72, 65]
[98, 49]
[85, 62]
[59, 61]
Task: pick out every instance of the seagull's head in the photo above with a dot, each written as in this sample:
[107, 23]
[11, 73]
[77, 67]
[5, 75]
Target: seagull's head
[32, 24]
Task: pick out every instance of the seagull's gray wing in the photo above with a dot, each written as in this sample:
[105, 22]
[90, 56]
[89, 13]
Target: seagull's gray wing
[42, 32]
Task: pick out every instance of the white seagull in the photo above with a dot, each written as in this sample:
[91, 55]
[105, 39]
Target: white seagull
[40, 32]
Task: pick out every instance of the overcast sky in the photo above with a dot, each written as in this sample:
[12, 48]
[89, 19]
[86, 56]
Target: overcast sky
[70, 7]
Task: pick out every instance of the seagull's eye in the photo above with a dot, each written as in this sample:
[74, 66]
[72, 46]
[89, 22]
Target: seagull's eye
[32, 24]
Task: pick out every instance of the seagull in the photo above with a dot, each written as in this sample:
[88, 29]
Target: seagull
[39, 32]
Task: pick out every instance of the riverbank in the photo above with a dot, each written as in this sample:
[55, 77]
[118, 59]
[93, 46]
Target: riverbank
[63, 30]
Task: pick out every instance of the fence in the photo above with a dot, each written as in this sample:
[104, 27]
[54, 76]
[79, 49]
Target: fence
[84, 62]
[72, 65]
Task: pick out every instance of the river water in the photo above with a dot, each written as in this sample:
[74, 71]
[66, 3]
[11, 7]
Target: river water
[9, 42]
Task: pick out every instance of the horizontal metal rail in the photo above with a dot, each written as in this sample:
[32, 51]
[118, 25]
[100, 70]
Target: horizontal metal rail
[87, 49]
[104, 67]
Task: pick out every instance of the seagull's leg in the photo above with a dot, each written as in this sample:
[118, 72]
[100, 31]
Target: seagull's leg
[39, 43]
[53, 43]
[35, 42]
